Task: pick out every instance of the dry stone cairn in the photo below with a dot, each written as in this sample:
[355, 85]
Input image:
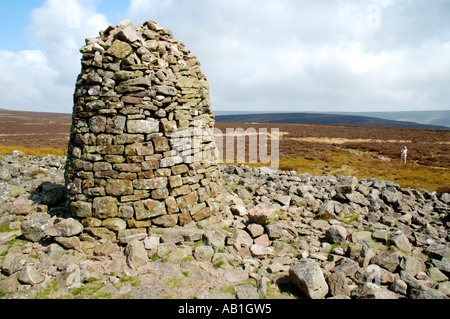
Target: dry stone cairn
[142, 150]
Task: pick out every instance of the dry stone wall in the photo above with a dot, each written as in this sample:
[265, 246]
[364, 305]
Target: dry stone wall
[142, 149]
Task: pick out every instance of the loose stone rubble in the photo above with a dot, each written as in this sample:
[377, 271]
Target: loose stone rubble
[276, 235]
[142, 150]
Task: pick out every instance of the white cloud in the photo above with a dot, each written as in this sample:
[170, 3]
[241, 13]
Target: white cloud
[314, 55]
[60, 28]
[295, 55]
[24, 77]
[44, 79]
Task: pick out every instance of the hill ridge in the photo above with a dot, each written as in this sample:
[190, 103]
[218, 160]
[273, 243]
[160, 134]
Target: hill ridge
[322, 118]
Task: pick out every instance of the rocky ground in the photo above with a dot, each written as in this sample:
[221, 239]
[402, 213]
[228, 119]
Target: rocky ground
[279, 235]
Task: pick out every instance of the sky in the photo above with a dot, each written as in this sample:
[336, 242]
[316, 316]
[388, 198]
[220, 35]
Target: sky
[258, 55]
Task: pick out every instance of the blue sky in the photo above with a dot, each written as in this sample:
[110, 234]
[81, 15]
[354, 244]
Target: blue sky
[283, 55]
[15, 20]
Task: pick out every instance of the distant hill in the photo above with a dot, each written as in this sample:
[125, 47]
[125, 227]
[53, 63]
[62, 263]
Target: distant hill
[422, 117]
[317, 118]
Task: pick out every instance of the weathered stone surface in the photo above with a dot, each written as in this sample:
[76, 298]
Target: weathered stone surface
[203, 253]
[34, 228]
[402, 243]
[81, 209]
[22, 207]
[255, 230]
[150, 184]
[120, 49]
[240, 238]
[115, 224]
[118, 187]
[412, 265]
[426, 293]
[66, 228]
[128, 235]
[308, 277]
[142, 126]
[105, 207]
[337, 284]
[128, 34]
[148, 209]
[387, 261]
[246, 292]
[29, 275]
[399, 286]
[166, 221]
[12, 263]
[336, 234]
[136, 254]
[262, 214]
[70, 277]
[215, 238]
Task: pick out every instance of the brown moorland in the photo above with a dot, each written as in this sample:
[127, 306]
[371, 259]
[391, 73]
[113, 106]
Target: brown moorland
[34, 129]
[361, 151]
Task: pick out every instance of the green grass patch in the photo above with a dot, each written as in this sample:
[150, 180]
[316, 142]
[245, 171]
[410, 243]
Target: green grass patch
[133, 281]
[4, 229]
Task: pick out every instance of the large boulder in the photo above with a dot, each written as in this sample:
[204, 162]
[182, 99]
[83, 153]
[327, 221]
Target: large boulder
[33, 229]
[308, 277]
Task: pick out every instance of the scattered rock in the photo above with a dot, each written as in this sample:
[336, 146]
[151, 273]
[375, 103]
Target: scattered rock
[396, 247]
[34, 228]
[262, 214]
[402, 243]
[336, 234]
[12, 263]
[29, 275]
[399, 286]
[426, 293]
[70, 277]
[136, 254]
[337, 283]
[246, 292]
[308, 277]
[203, 253]
[65, 228]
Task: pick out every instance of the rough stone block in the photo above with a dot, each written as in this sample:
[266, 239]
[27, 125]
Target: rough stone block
[149, 209]
[105, 207]
[142, 126]
[117, 187]
[120, 49]
[187, 202]
[308, 276]
[154, 183]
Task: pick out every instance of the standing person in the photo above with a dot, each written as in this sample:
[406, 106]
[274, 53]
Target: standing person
[404, 154]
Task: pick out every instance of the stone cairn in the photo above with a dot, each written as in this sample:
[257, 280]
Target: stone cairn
[142, 151]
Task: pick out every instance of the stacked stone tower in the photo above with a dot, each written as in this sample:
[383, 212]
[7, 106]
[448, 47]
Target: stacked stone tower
[142, 150]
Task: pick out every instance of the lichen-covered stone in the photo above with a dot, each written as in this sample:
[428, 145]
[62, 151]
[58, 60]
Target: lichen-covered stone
[105, 207]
